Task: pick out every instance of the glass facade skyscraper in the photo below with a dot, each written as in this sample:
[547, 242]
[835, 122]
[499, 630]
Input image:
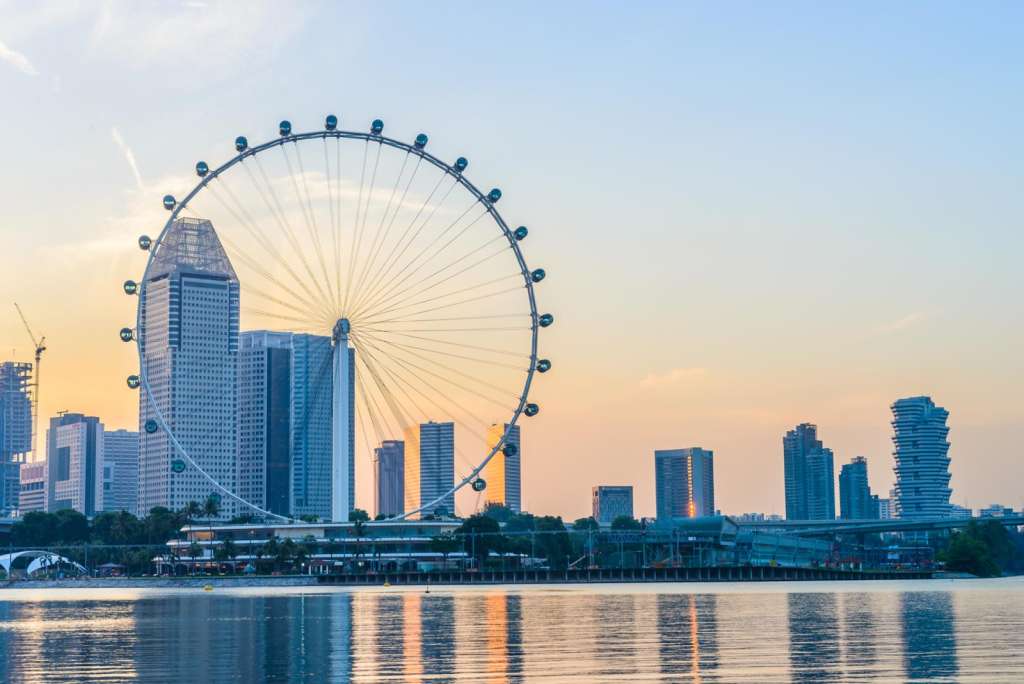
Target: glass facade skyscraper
[922, 458]
[430, 467]
[15, 429]
[389, 478]
[809, 475]
[684, 483]
[120, 470]
[189, 342]
[502, 473]
[609, 502]
[284, 428]
[855, 499]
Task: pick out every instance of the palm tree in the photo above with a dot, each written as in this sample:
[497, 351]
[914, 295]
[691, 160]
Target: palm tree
[211, 508]
[194, 551]
[191, 511]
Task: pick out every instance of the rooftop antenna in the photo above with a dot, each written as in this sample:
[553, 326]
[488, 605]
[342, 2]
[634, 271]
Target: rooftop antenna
[40, 346]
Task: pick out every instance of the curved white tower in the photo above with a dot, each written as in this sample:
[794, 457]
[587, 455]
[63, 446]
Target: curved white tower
[343, 468]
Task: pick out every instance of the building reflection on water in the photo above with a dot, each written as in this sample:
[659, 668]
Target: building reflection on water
[496, 637]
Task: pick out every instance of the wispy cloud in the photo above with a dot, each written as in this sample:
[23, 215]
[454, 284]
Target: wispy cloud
[673, 376]
[907, 321]
[129, 156]
[16, 59]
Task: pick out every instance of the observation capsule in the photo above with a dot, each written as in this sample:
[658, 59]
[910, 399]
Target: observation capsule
[538, 275]
[331, 122]
[421, 141]
[202, 168]
[145, 243]
[377, 127]
[479, 485]
[126, 334]
[510, 450]
[494, 195]
[241, 143]
[169, 202]
[134, 381]
[461, 163]
[543, 366]
[520, 232]
[130, 287]
[285, 128]
[531, 410]
[545, 320]
[151, 426]
[177, 466]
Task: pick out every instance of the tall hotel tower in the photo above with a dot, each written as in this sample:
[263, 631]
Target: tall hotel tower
[502, 473]
[189, 341]
[922, 460]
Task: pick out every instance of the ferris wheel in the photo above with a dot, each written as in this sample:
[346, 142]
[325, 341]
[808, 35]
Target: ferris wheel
[401, 262]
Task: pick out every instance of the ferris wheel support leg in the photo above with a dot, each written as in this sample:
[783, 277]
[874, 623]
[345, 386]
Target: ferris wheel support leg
[343, 425]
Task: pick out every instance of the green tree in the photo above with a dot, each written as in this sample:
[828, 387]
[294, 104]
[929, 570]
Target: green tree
[72, 526]
[969, 554]
[358, 515]
[162, 524]
[194, 552]
[445, 544]
[481, 535]
[498, 511]
[553, 541]
[34, 529]
[191, 511]
[585, 525]
[120, 528]
[626, 522]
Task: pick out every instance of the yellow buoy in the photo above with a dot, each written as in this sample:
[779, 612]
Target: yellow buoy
[207, 587]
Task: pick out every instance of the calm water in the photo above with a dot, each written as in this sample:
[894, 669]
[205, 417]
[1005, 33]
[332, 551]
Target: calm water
[812, 632]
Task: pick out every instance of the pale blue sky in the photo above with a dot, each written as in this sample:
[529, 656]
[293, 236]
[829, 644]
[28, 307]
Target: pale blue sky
[752, 214]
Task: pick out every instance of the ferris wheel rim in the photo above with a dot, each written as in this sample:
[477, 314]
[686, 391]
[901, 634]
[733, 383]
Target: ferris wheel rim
[416, 149]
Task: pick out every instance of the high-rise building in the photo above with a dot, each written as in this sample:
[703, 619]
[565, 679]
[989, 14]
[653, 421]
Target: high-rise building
[284, 422]
[120, 471]
[922, 461]
[430, 467]
[389, 478]
[809, 475]
[189, 342]
[33, 487]
[15, 430]
[502, 473]
[684, 483]
[855, 499]
[74, 458]
[955, 511]
[609, 502]
[312, 395]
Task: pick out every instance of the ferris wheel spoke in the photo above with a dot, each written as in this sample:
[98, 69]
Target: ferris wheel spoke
[404, 274]
[336, 212]
[406, 241]
[273, 206]
[419, 287]
[448, 368]
[409, 365]
[310, 317]
[446, 306]
[361, 228]
[297, 304]
[449, 354]
[377, 417]
[282, 317]
[451, 318]
[307, 210]
[373, 248]
[401, 378]
[252, 227]
[398, 412]
[441, 297]
[355, 228]
[370, 274]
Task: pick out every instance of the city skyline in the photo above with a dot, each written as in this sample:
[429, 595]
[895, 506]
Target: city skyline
[869, 348]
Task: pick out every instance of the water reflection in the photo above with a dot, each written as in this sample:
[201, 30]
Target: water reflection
[930, 647]
[502, 637]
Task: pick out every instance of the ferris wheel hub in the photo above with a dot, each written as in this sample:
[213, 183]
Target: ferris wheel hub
[341, 330]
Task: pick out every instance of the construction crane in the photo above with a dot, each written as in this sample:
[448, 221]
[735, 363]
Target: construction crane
[40, 345]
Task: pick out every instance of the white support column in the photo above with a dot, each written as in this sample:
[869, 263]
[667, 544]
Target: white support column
[342, 429]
